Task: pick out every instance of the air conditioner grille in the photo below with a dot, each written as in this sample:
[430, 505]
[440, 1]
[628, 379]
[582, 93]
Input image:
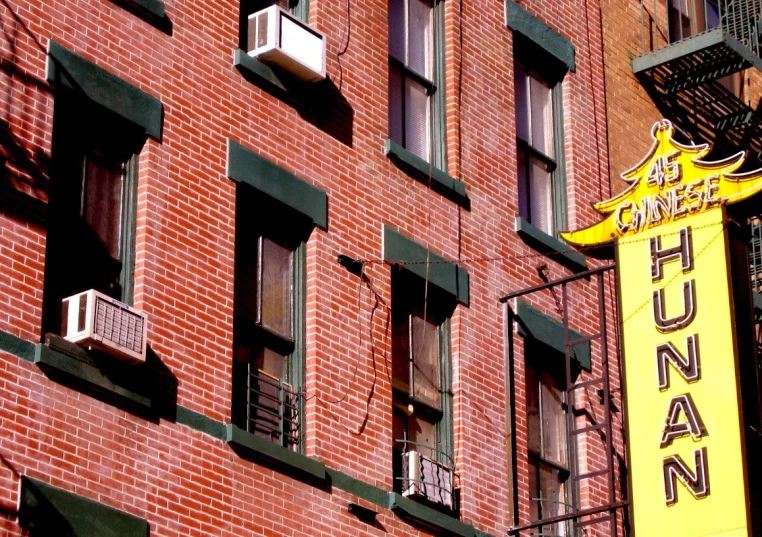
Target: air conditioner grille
[82, 320]
[262, 21]
[65, 317]
[119, 325]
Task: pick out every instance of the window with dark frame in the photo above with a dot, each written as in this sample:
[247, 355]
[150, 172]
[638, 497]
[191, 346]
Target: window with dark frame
[420, 361]
[93, 202]
[269, 272]
[412, 75]
[688, 18]
[691, 17]
[535, 132]
[548, 439]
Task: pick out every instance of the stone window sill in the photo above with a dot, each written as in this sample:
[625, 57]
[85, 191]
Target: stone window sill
[420, 170]
[251, 445]
[73, 366]
[430, 517]
[151, 11]
[550, 246]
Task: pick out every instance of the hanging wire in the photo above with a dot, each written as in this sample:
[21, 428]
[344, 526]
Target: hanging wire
[378, 303]
[518, 257]
[346, 45]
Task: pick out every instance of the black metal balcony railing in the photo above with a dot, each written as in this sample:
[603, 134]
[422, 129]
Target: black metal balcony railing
[668, 22]
[692, 53]
[272, 409]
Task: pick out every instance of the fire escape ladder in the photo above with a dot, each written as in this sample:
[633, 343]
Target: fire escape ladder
[605, 512]
[600, 379]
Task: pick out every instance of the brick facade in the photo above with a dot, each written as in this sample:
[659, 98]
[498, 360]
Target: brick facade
[161, 466]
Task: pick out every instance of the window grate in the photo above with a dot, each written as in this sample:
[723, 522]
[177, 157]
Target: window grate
[272, 409]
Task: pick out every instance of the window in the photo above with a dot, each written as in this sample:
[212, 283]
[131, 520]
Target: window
[415, 102]
[299, 8]
[692, 17]
[267, 329]
[547, 435]
[421, 387]
[91, 235]
[542, 200]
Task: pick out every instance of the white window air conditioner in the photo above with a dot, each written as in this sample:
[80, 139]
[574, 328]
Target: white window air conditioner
[277, 37]
[425, 478]
[93, 319]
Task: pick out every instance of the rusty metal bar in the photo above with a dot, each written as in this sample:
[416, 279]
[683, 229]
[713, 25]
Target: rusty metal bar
[513, 530]
[575, 477]
[591, 475]
[588, 429]
[561, 281]
[607, 394]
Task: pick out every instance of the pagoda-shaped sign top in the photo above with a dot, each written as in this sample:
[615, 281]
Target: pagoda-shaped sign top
[670, 183]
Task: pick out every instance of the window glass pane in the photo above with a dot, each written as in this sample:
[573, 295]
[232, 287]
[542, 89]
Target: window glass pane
[522, 105]
[102, 205]
[712, 13]
[276, 279]
[395, 107]
[426, 360]
[534, 491]
[245, 274]
[264, 401]
[533, 410]
[553, 492]
[401, 350]
[541, 117]
[419, 37]
[401, 358]
[270, 362]
[397, 29]
[416, 119]
[399, 429]
[523, 185]
[540, 196]
[424, 434]
[553, 420]
[679, 20]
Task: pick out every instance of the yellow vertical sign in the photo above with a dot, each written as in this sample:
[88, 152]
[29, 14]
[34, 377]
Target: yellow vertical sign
[680, 368]
[682, 399]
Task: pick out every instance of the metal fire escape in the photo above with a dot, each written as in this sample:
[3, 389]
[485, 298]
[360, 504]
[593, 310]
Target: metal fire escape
[584, 516]
[693, 54]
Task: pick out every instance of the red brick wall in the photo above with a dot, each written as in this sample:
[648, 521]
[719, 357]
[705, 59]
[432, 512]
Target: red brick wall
[631, 111]
[187, 483]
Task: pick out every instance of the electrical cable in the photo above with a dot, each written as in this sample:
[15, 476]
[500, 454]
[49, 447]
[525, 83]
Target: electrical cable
[346, 46]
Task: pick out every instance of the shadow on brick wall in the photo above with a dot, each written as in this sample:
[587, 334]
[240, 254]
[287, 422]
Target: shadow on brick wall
[320, 103]
[24, 170]
[147, 390]
[24, 180]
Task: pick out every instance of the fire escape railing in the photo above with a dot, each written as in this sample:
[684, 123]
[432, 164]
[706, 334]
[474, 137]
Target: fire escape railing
[741, 19]
[693, 52]
[666, 22]
[755, 254]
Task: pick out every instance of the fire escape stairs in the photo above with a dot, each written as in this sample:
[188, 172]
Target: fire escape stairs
[684, 80]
